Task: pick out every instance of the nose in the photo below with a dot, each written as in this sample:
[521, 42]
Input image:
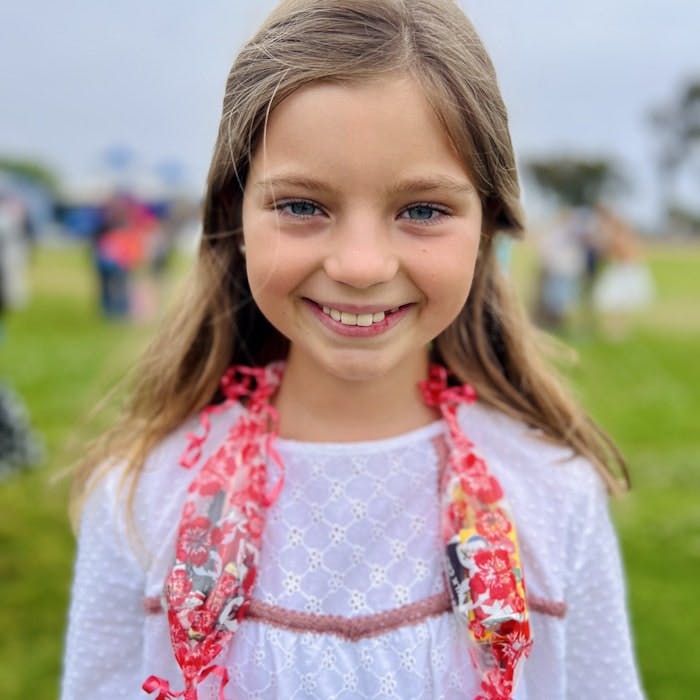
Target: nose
[361, 253]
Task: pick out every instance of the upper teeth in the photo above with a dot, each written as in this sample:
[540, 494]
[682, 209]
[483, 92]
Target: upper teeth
[350, 319]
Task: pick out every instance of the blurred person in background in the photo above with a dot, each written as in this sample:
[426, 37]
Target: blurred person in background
[562, 263]
[625, 285]
[19, 447]
[15, 238]
[120, 245]
[151, 276]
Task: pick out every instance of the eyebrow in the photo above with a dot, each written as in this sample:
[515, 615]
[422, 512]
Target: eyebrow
[307, 183]
[429, 183]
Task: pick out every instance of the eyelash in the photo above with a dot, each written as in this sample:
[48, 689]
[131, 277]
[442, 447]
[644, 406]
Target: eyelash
[442, 211]
[281, 206]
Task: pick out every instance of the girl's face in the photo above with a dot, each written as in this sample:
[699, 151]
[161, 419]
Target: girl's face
[361, 226]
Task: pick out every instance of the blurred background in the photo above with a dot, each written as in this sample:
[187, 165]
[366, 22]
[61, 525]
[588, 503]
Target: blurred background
[107, 121]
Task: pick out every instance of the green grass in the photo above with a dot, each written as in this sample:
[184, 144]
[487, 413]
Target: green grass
[62, 358]
[645, 391]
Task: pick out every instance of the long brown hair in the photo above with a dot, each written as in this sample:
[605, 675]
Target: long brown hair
[490, 344]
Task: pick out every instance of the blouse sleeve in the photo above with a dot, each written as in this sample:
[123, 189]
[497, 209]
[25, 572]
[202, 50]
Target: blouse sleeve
[102, 657]
[599, 655]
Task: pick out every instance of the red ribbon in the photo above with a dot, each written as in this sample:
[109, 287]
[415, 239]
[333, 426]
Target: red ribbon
[238, 382]
[153, 684]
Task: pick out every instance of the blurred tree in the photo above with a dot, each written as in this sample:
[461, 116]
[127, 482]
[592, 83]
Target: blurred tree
[576, 181]
[31, 170]
[677, 127]
[683, 221]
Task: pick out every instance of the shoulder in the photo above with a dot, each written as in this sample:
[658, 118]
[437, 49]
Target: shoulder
[558, 499]
[163, 476]
[555, 493]
[163, 472]
[160, 487]
[524, 457]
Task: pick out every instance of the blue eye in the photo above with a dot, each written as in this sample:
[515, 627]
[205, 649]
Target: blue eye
[300, 208]
[422, 212]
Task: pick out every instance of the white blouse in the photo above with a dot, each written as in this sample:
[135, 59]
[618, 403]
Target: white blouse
[350, 599]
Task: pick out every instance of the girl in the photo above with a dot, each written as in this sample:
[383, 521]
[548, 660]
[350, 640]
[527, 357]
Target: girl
[307, 494]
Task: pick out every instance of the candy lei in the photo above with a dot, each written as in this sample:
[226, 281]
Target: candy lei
[482, 559]
[218, 542]
[209, 586]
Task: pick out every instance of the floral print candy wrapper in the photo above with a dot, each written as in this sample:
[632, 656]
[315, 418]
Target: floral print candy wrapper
[482, 559]
[218, 542]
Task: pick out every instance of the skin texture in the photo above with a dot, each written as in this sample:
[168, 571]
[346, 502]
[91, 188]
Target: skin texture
[356, 200]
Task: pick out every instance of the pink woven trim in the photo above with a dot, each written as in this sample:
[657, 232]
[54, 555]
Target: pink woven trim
[555, 608]
[367, 625]
[152, 605]
[351, 628]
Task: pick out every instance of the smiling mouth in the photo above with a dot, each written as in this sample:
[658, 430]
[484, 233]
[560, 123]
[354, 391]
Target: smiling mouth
[350, 319]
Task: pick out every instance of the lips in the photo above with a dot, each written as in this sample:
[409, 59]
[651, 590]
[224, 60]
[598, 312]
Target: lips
[358, 320]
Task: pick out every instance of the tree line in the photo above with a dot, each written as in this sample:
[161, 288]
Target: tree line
[579, 181]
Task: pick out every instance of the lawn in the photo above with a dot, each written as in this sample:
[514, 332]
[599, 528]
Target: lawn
[62, 359]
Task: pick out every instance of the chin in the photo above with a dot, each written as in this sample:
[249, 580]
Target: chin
[360, 367]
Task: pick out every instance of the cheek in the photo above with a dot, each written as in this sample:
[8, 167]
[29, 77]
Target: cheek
[451, 276]
[263, 276]
[273, 270]
[262, 253]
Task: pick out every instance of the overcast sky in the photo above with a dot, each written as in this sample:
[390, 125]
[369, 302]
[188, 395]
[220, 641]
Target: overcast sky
[81, 76]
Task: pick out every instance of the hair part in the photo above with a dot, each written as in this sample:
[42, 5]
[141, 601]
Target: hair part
[217, 323]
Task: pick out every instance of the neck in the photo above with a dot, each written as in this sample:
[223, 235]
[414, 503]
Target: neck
[316, 406]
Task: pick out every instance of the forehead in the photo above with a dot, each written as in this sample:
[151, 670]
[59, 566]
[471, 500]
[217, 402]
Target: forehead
[375, 128]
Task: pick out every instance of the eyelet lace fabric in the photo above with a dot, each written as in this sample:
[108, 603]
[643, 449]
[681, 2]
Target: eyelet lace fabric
[355, 529]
